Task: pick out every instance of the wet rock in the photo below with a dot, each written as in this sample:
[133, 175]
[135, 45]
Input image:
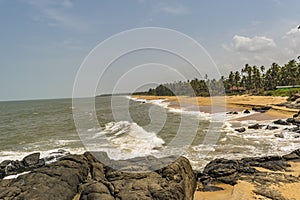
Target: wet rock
[54, 156]
[294, 129]
[281, 122]
[240, 130]
[271, 127]
[31, 159]
[255, 126]
[246, 111]
[279, 135]
[232, 113]
[261, 109]
[290, 120]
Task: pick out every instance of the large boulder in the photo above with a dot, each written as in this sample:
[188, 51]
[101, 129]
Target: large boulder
[84, 177]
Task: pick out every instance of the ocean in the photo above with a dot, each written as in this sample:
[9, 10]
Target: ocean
[128, 128]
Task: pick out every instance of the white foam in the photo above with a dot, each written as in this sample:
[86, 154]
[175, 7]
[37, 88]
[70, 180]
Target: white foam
[16, 176]
[126, 140]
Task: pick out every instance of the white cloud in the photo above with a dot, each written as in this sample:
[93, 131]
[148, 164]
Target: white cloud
[293, 31]
[55, 13]
[255, 44]
[260, 50]
[172, 9]
[292, 38]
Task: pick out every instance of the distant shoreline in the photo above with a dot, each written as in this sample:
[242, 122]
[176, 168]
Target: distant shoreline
[233, 103]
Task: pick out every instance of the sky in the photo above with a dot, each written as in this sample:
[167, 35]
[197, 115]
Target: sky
[43, 43]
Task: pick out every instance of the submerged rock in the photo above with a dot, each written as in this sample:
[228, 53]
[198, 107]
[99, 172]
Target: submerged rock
[255, 126]
[246, 111]
[271, 127]
[279, 135]
[240, 130]
[281, 122]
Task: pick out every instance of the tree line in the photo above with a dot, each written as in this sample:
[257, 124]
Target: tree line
[250, 79]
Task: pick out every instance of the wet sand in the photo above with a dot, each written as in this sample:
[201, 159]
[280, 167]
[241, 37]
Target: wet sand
[231, 103]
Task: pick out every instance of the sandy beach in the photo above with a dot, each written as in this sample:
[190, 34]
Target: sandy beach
[232, 103]
[246, 191]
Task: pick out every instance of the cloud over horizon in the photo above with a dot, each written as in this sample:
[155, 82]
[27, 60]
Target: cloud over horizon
[255, 44]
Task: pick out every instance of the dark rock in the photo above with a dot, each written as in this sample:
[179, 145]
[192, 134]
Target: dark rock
[232, 113]
[31, 159]
[296, 122]
[294, 129]
[242, 129]
[294, 97]
[271, 127]
[210, 188]
[86, 177]
[221, 167]
[295, 115]
[246, 111]
[281, 122]
[279, 135]
[262, 109]
[290, 120]
[255, 126]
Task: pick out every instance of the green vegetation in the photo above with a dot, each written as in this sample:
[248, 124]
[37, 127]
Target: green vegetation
[282, 92]
[250, 79]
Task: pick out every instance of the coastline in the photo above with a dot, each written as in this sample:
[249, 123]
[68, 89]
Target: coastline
[231, 103]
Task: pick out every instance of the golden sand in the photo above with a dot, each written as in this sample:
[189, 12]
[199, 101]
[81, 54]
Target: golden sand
[242, 190]
[233, 103]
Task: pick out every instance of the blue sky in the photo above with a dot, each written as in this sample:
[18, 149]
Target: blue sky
[44, 42]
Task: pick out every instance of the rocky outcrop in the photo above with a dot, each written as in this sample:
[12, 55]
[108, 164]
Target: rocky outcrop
[32, 161]
[249, 169]
[84, 177]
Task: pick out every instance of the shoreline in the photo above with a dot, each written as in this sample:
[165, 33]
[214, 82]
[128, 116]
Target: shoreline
[231, 103]
[263, 177]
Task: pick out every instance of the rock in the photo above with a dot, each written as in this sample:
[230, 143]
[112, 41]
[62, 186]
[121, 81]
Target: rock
[31, 159]
[240, 130]
[290, 120]
[232, 113]
[294, 129]
[255, 126]
[271, 127]
[210, 188]
[54, 156]
[279, 135]
[85, 177]
[231, 171]
[295, 115]
[294, 97]
[246, 111]
[281, 122]
[262, 109]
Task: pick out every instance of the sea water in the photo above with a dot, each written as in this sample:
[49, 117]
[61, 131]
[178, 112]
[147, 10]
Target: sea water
[128, 128]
